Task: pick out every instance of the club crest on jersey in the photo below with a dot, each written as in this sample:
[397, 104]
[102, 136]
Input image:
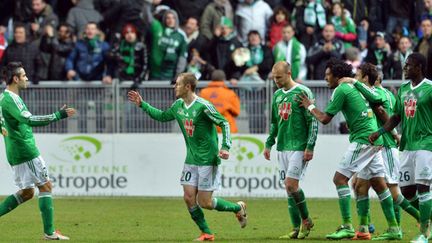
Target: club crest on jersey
[410, 107]
[189, 127]
[181, 112]
[285, 110]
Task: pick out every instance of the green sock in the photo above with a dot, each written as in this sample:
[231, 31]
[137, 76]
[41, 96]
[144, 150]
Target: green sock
[387, 207]
[10, 203]
[198, 216]
[300, 200]
[344, 194]
[221, 205]
[425, 204]
[397, 213]
[406, 205]
[294, 212]
[415, 202]
[47, 212]
[363, 210]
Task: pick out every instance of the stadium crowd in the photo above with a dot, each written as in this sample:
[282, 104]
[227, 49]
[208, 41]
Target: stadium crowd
[157, 39]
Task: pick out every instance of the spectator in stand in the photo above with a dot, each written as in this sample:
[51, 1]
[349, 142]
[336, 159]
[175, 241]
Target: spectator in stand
[260, 63]
[353, 58]
[326, 48]
[187, 8]
[123, 12]
[379, 54]
[289, 49]
[199, 67]
[424, 45]
[212, 16]
[358, 8]
[223, 98]
[427, 10]
[3, 44]
[83, 13]
[42, 16]
[195, 40]
[58, 47]
[398, 14]
[129, 55]
[24, 51]
[168, 51]
[252, 15]
[376, 15]
[309, 19]
[88, 60]
[344, 25]
[223, 45]
[398, 58]
[279, 19]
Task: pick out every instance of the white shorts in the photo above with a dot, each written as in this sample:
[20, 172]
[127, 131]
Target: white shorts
[205, 178]
[391, 164]
[364, 159]
[291, 164]
[416, 167]
[31, 173]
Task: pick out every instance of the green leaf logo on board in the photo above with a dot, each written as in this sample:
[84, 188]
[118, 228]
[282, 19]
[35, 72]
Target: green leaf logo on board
[79, 148]
[246, 148]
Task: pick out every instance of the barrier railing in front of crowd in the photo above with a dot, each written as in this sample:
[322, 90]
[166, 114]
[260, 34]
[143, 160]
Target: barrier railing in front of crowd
[104, 108]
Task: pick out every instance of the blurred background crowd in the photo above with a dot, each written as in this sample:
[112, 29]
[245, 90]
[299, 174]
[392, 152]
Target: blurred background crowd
[143, 40]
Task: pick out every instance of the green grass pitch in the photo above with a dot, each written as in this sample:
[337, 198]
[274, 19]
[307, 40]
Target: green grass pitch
[141, 219]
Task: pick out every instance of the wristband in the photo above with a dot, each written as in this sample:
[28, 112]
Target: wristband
[381, 131]
[63, 114]
[311, 107]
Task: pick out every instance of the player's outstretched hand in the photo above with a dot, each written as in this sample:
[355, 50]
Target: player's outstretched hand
[223, 154]
[304, 100]
[69, 111]
[135, 97]
[308, 155]
[373, 137]
[267, 154]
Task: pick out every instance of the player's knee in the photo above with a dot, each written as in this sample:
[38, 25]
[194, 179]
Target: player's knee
[27, 194]
[205, 203]
[189, 199]
[291, 188]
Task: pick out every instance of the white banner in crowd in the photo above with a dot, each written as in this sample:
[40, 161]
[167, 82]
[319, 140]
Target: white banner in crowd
[151, 165]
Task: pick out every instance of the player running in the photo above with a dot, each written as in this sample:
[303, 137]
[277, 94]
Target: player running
[201, 175]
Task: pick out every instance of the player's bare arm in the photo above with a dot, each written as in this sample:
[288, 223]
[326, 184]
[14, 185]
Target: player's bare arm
[388, 126]
[307, 103]
[135, 97]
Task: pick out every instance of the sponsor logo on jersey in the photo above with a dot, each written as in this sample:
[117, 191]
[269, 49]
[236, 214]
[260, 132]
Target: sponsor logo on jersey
[189, 127]
[410, 107]
[285, 110]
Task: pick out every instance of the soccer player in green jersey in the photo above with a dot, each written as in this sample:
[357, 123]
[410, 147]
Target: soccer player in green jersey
[361, 155]
[413, 110]
[28, 166]
[369, 84]
[201, 175]
[296, 132]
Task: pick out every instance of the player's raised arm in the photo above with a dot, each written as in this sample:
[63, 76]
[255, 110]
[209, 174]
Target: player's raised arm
[153, 112]
[307, 103]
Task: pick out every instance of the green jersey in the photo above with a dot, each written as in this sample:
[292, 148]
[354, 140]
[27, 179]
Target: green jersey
[18, 122]
[389, 102]
[414, 106]
[384, 97]
[358, 114]
[295, 128]
[197, 122]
